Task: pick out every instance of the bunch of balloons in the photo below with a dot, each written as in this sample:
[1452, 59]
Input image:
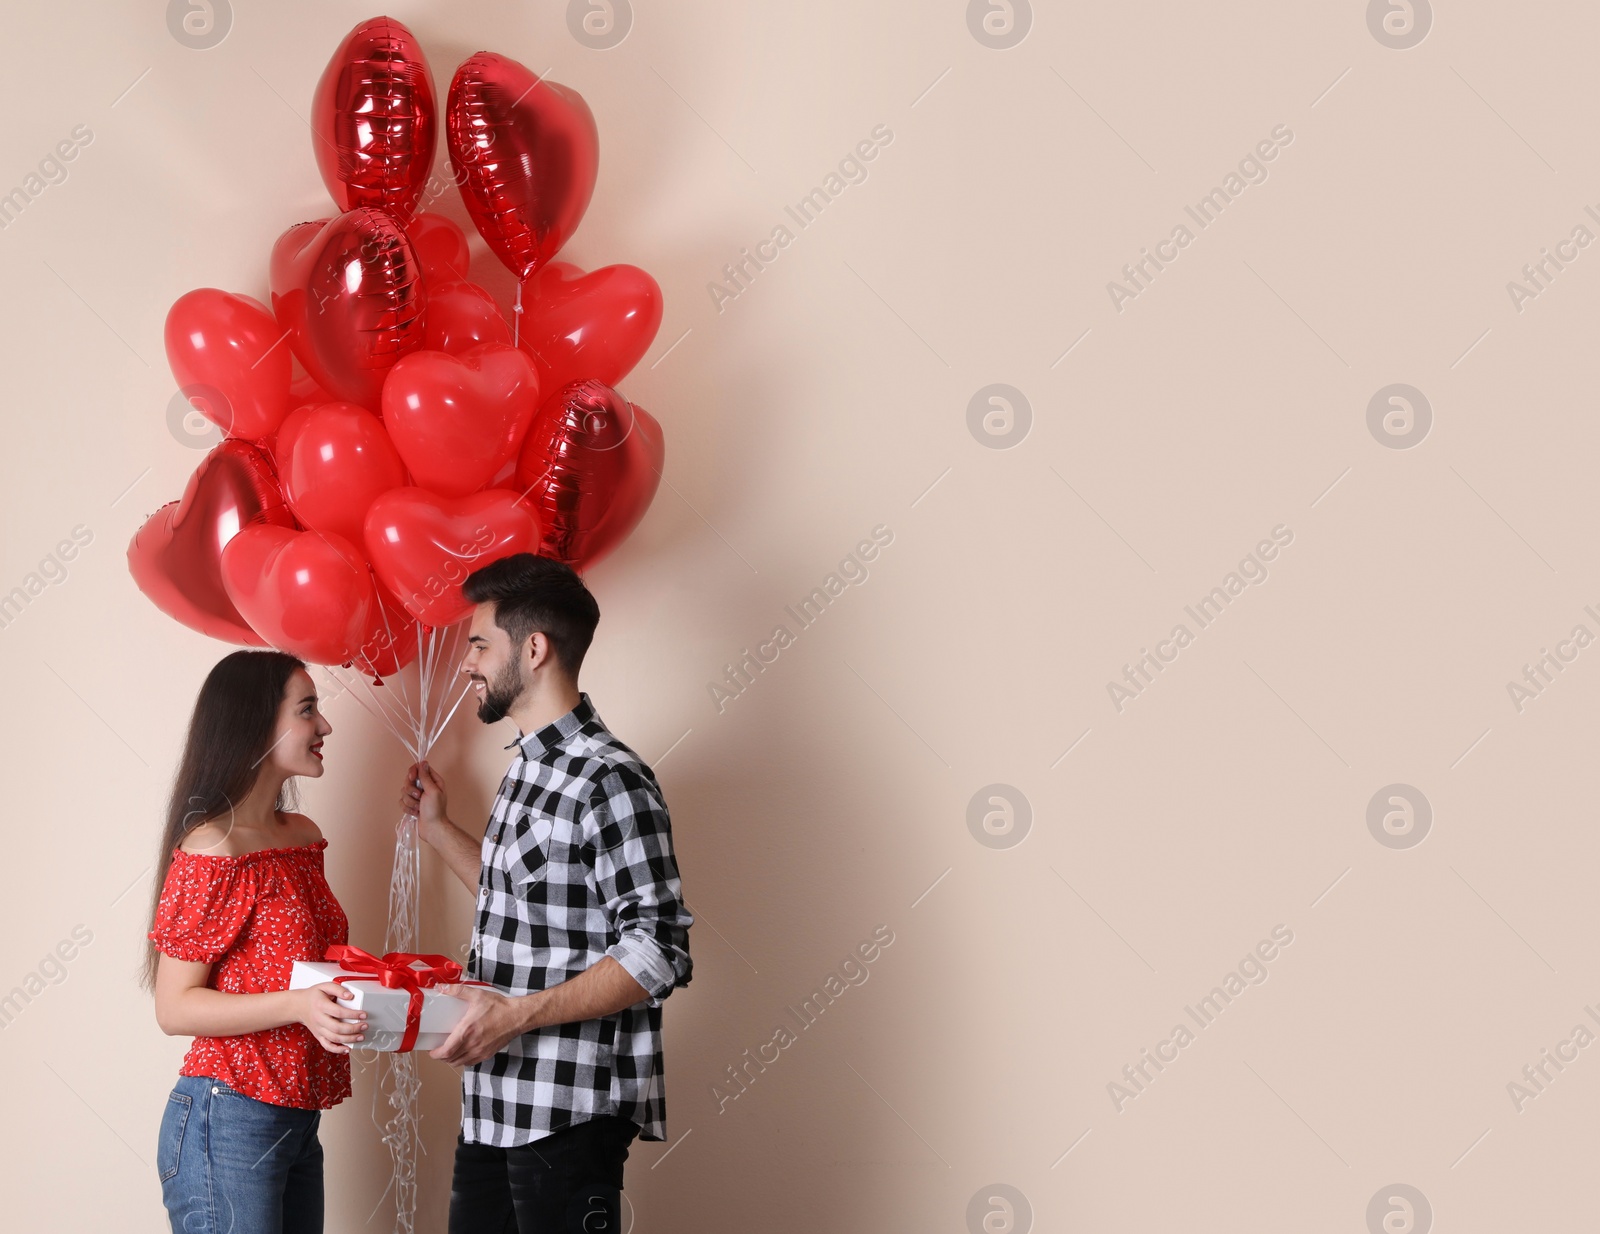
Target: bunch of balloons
[424, 435]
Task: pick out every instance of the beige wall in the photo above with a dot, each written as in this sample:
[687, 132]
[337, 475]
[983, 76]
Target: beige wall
[1169, 435]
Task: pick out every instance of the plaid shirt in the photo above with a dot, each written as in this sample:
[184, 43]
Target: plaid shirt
[577, 864]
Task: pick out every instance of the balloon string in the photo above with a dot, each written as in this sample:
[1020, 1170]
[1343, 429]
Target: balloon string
[409, 742]
[437, 656]
[377, 711]
[449, 715]
[516, 317]
[398, 1083]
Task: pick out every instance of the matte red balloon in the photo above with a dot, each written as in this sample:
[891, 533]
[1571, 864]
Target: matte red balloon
[227, 354]
[525, 153]
[349, 291]
[457, 420]
[305, 592]
[590, 466]
[176, 557]
[423, 546]
[461, 316]
[442, 249]
[375, 120]
[334, 460]
[595, 326]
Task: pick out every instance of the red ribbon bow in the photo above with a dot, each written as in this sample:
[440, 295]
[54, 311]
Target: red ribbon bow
[399, 970]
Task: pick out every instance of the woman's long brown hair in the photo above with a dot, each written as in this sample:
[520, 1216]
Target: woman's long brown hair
[230, 734]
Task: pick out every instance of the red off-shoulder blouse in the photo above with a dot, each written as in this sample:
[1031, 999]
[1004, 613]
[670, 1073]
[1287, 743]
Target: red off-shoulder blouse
[250, 917]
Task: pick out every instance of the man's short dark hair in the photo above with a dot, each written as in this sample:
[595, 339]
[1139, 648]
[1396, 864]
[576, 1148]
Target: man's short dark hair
[538, 593]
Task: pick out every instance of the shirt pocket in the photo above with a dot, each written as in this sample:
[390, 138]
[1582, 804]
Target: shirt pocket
[527, 848]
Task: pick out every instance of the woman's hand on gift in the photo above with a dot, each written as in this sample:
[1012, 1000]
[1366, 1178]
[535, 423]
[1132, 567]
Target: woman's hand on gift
[334, 1025]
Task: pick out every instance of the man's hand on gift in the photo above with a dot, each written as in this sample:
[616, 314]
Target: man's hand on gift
[492, 1019]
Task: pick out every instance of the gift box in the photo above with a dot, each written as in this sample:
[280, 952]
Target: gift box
[403, 1011]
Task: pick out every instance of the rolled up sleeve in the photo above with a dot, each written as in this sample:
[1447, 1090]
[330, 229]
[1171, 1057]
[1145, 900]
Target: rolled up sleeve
[636, 873]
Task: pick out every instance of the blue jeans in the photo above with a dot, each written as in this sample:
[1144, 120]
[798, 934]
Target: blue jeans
[230, 1164]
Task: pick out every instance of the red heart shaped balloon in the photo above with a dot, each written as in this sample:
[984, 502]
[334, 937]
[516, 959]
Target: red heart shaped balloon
[349, 291]
[525, 153]
[442, 249]
[227, 355]
[461, 316]
[596, 326]
[176, 557]
[375, 119]
[590, 466]
[304, 389]
[334, 460]
[457, 420]
[423, 546]
[305, 592]
[393, 638]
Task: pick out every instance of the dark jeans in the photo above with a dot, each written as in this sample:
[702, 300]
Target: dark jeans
[230, 1164]
[569, 1182]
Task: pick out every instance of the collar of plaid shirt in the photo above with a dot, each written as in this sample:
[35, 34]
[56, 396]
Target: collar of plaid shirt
[553, 734]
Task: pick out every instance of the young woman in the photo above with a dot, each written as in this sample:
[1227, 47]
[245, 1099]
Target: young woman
[241, 896]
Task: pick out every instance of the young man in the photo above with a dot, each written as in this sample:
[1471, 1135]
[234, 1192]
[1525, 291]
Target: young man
[579, 913]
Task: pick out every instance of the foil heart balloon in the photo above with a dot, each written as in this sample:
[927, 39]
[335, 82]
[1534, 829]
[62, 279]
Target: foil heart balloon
[176, 557]
[596, 325]
[462, 315]
[305, 592]
[349, 292]
[375, 120]
[457, 420]
[334, 459]
[589, 468]
[525, 153]
[224, 352]
[423, 546]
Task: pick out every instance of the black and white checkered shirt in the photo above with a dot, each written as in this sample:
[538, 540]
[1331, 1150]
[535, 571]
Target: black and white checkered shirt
[577, 864]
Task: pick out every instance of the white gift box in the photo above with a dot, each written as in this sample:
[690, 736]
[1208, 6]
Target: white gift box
[385, 1008]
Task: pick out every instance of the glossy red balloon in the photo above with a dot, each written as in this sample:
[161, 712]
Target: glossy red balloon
[304, 592]
[525, 153]
[442, 249]
[590, 466]
[461, 316]
[176, 557]
[228, 354]
[349, 291]
[304, 389]
[392, 638]
[423, 546]
[457, 420]
[374, 119]
[594, 326]
[334, 460]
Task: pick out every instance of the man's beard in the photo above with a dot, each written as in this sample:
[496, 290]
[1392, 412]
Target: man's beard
[500, 695]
